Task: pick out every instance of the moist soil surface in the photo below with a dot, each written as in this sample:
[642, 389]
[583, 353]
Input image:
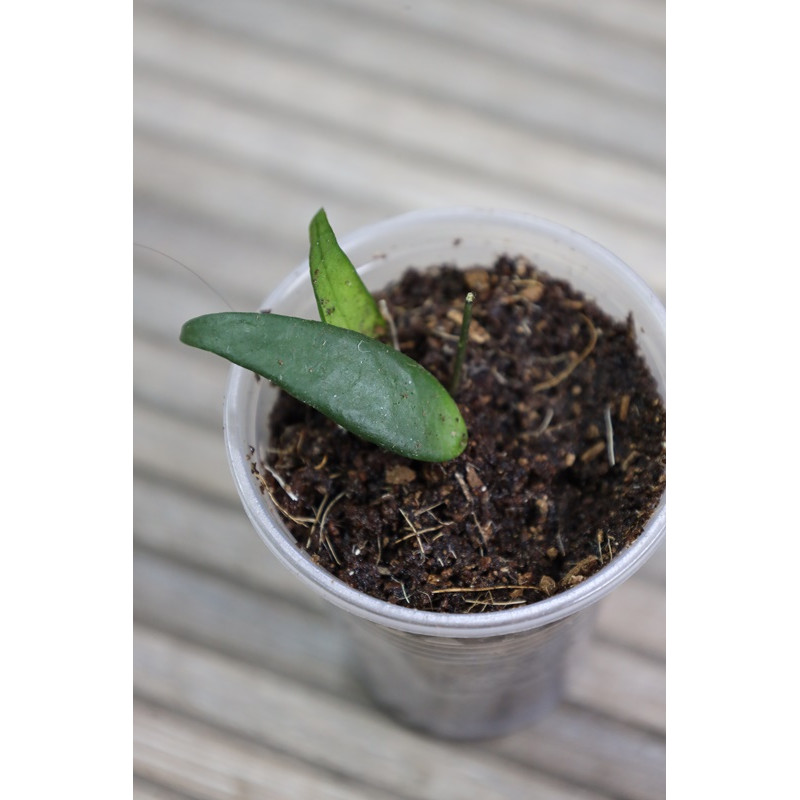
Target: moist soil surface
[565, 462]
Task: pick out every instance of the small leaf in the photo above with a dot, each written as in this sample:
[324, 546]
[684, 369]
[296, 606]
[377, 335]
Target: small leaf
[342, 298]
[365, 386]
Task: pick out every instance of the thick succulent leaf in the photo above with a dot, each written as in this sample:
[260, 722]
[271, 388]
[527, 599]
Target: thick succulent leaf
[364, 385]
[342, 298]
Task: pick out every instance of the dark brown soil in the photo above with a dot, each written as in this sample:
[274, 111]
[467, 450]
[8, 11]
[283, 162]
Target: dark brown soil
[566, 459]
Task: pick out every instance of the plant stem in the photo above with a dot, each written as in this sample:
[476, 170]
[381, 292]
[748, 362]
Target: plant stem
[462, 343]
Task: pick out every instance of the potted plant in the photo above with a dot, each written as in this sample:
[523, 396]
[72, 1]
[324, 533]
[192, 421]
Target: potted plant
[459, 649]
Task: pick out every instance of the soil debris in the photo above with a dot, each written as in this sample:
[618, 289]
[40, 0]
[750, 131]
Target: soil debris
[550, 384]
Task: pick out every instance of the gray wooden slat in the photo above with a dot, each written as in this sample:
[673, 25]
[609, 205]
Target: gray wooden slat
[196, 184]
[573, 743]
[365, 46]
[291, 641]
[199, 532]
[639, 698]
[193, 181]
[277, 633]
[182, 451]
[238, 194]
[144, 789]
[619, 759]
[200, 761]
[311, 725]
[250, 115]
[169, 375]
[250, 260]
[246, 622]
[544, 175]
[634, 613]
[523, 33]
[308, 111]
[639, 20]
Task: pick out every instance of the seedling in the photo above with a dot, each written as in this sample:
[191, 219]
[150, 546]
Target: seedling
[337, 365]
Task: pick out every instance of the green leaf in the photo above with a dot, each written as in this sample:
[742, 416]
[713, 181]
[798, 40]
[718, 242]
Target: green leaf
[367, 387]
[342, 298]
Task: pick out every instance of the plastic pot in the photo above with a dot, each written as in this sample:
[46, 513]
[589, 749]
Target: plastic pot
[455, 675]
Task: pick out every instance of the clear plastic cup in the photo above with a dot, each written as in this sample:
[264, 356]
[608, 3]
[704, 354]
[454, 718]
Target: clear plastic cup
[461, 676]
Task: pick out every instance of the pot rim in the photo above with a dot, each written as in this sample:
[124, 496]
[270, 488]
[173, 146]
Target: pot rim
[276, 536]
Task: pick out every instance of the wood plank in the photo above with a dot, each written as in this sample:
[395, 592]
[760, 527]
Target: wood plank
[210, 536]
[239, 195]
[146, 790]
[443, 70]
[169, 375]
[639, 20]
[600, 750]
[182, 451]
[194, 181]
[309, 724]
[200, 761]
[194, 529]
[228, 190]
[449, 156]
[309, 114]
[210, 245]
[192, 756]
[527, 34]
[294, 639]
[292, 635]
[630, 687]
[635, 614]
[624, 761]
[250, 115]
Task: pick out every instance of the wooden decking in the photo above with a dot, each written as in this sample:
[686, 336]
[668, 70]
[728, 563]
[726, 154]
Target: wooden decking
[250, 115]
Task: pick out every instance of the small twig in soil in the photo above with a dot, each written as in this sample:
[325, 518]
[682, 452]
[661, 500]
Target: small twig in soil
[462, 343]
[329, 545]
[419, 533]
[627, 462]
[443, 334]
[609, 436]
[480, 529]
[566, 581]
[280, 481]
[492, 602]
[325, 516]
[570, 368]
[549, 359]
[316, 520]
[548, 418]
[405, 593]
[414, 532]
[463, 484]
[624, 405]
[498, 377]
[593, 451]
[322, 535]
[304, 521]
[387, 315]
[428, 510]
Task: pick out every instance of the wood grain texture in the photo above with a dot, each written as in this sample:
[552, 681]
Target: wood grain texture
[249, 115]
